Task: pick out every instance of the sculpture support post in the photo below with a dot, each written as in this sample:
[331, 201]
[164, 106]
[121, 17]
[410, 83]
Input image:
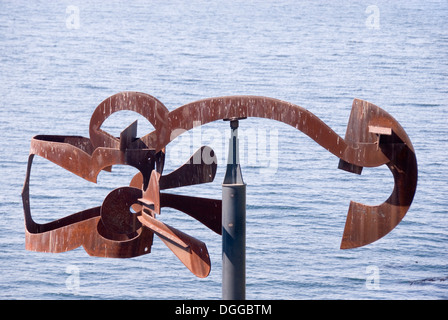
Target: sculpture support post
[233, 224]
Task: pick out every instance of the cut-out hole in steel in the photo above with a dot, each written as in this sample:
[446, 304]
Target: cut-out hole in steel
[125, 223]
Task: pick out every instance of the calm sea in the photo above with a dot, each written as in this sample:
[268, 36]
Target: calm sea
[60, 59]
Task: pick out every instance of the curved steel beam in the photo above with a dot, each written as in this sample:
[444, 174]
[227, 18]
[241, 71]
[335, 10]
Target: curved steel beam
[144, 104]
[366, 224]
[80, 229]
[208, 110]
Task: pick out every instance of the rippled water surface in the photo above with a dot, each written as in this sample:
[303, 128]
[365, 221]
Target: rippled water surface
[59, 60]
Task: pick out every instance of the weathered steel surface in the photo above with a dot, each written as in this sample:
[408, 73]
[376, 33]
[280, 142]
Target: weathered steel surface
[373, 138]
[369, 125]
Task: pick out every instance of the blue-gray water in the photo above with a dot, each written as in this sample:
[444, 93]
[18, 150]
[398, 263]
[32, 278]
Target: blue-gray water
[55, 69]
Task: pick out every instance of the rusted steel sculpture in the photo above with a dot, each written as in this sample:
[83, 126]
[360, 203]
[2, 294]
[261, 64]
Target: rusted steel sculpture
[373, 138]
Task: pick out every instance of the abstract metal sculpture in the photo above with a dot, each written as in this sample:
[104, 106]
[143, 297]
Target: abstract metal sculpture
[125, 223]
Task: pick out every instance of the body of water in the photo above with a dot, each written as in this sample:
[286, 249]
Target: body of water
[59, 60]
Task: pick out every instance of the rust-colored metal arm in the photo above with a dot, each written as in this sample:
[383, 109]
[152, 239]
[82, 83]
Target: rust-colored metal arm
[370, 125]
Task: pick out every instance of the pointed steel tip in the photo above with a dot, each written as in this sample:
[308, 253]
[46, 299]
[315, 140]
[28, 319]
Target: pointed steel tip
[128, 135]
[233, 174]
[348, 245]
